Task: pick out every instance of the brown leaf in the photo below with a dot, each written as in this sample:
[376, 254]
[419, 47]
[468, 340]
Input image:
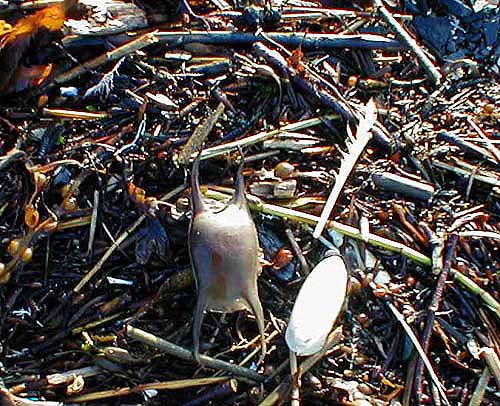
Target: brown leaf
[15, 42]
[50, 18]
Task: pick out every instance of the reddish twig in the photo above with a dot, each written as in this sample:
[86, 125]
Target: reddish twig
[433, 308]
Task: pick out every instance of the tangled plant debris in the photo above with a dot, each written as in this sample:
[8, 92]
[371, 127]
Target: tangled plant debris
[105, 105]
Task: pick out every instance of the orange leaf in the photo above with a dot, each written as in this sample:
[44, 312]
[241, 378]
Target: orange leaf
[296, 60]
[5, 27]
[51, 18]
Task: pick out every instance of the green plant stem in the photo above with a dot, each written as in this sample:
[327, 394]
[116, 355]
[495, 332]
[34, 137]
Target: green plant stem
[258, 205]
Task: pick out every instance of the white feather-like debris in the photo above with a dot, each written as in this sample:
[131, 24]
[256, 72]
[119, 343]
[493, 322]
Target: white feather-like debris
[317, 306]
[106, 84]
[355, 146]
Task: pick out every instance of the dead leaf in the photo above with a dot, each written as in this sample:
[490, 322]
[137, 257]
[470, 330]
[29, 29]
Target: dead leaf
[5, 27]
[50, 18]
[15, 41]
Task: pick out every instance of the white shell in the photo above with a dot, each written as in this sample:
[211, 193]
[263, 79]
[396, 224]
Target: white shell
[317, 306]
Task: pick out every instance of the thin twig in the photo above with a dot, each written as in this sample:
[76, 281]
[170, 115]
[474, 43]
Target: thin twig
[491, 358]
[492, 148]
[429, 67]
[132, 46]
[307, 41]
[420, 351]
[93, 223]
[281, 393]
[479, 234]
[223, 149]
[304, 266]
[129, 390]
[120, 241]
[478, 394]
[469, 170]
[433, 308]
[196, 140]
[294, 373]
[57, 379]
[212, 395]
[308, 13]
[74, 114]
[182, 353]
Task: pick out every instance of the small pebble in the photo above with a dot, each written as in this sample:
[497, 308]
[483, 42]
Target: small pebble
[284, 170]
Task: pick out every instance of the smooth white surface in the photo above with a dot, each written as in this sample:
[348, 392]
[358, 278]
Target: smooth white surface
[317, 306]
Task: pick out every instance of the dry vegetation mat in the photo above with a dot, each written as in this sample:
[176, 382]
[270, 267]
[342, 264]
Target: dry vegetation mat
[160, 159]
